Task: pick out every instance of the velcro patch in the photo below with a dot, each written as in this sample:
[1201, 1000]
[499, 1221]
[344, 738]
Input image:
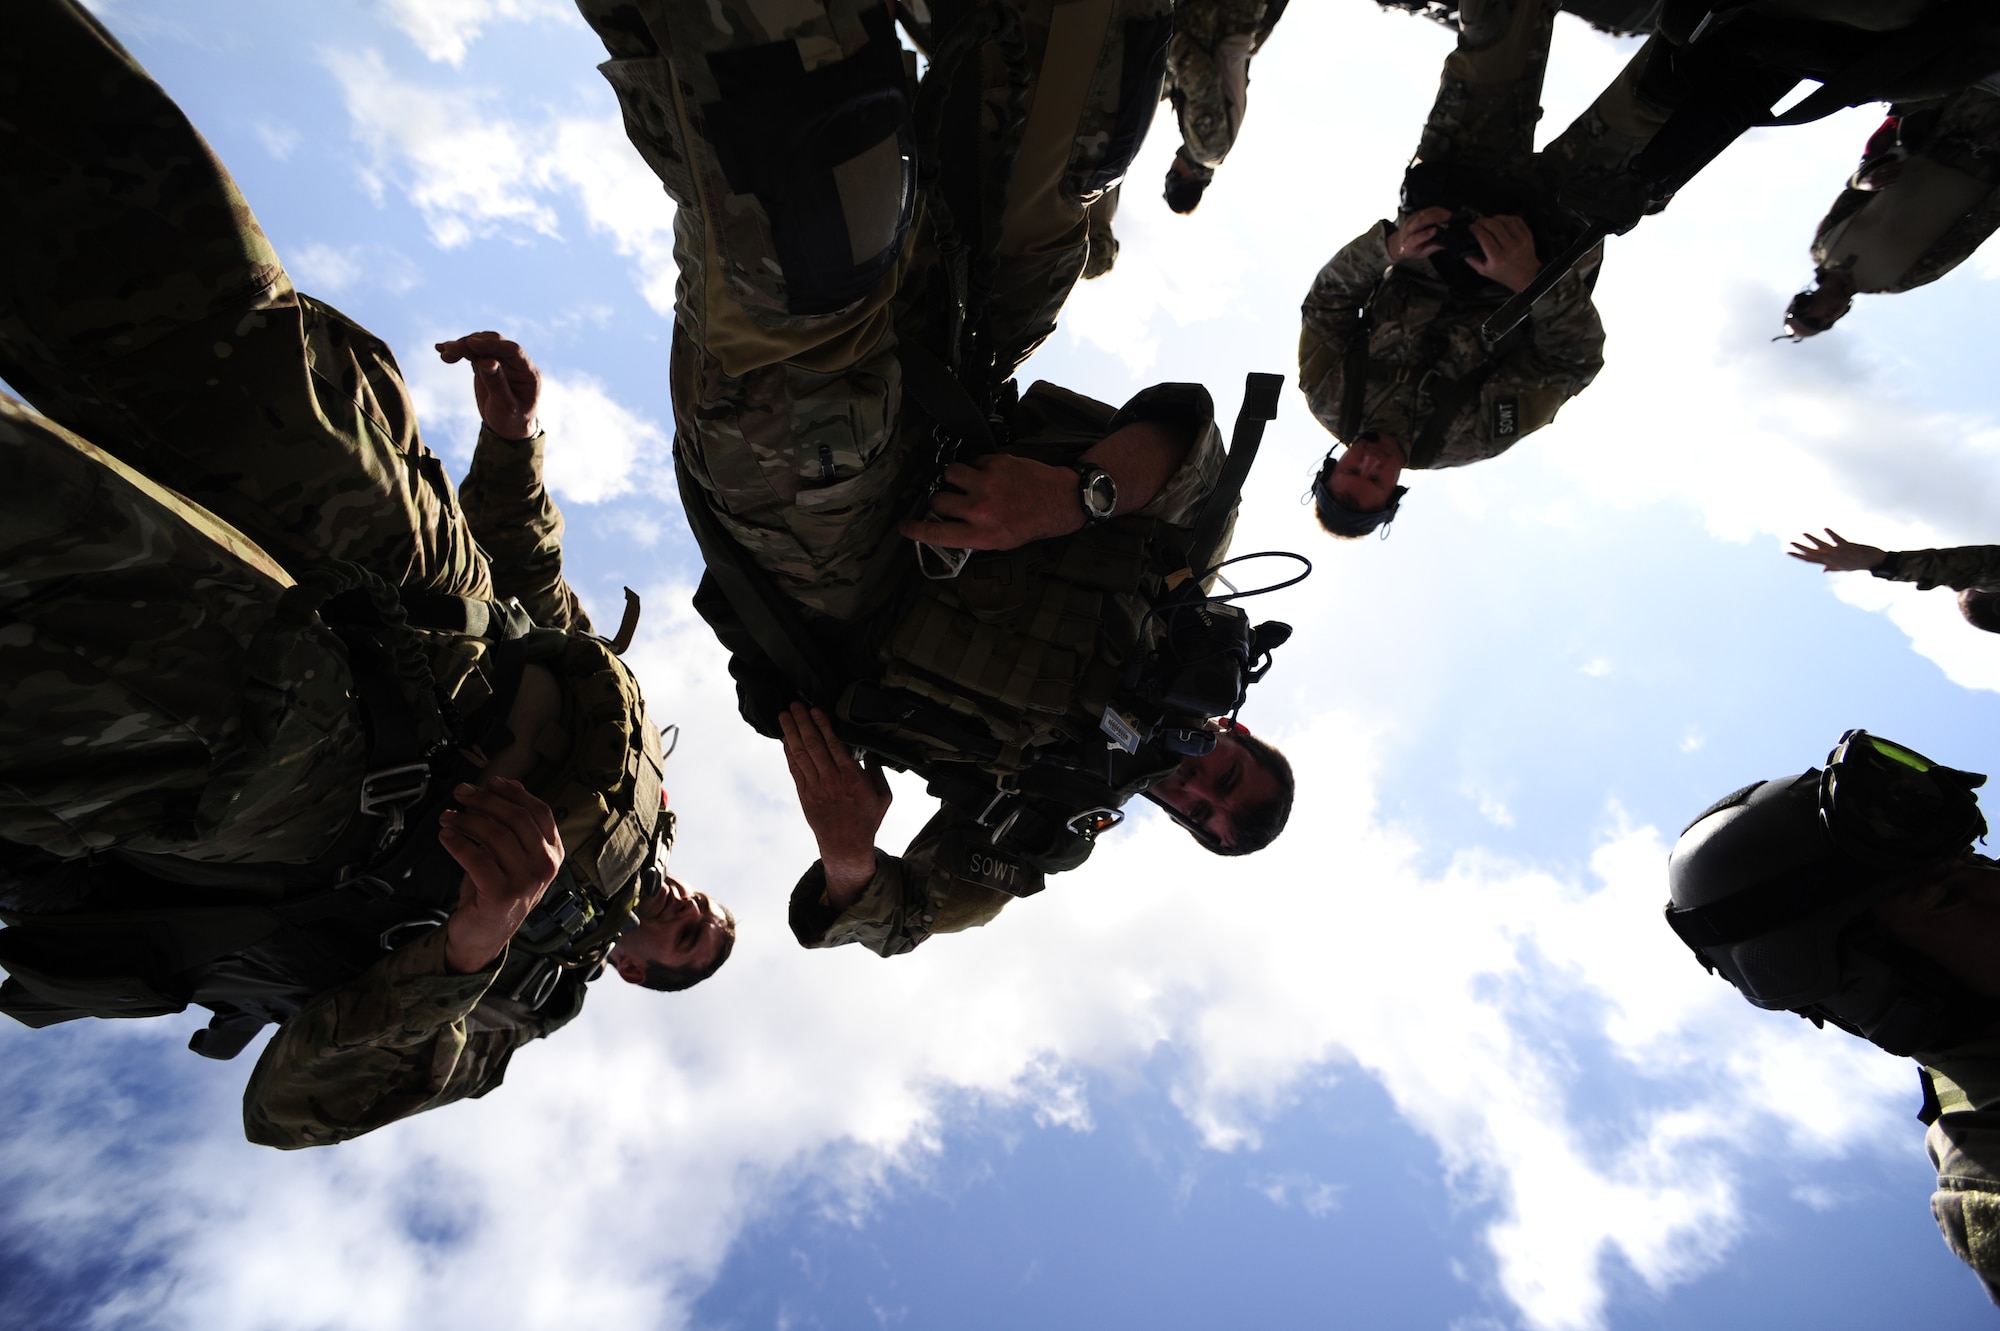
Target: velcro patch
[1507, 418]
[986, 867]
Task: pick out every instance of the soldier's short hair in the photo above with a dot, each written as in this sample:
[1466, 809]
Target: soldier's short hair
[672, 979]
[1339, 519]
[1259, 827]
[1981, 608]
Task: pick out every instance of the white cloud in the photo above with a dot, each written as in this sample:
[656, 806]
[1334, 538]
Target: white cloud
[475, 168]
[330, 270]
[693, 1113]
[281, 141]
[445, 29]
[599, 449]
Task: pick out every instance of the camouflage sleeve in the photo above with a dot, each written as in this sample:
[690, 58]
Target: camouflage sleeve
[1331, 317]
[392, 1043]
[909, 899]
[1965, 1148]
[1187, 407]
[520, 528]
[1568, 337]
[1961, 568]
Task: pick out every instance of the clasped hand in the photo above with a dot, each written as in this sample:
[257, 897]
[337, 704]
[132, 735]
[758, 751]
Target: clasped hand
[1506, 244]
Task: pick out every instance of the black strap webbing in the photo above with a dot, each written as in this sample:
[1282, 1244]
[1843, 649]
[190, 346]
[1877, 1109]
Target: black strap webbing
[942, 396]
[1457, 393]
[1354, 373]
[1260, 404]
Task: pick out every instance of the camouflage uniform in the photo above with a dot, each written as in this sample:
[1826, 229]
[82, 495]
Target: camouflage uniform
[1963, 1141]
[788, 396]
[790, 416]
[172, 700]
[1208, 70]
[1962, 568]
[1942, 205]
[1421, 320]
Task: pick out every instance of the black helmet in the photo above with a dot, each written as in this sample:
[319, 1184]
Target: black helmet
[1771, 887]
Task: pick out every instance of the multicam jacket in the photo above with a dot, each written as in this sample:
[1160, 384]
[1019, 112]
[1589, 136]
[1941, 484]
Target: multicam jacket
[943, 883]
[1419, 338]
[1961, 568]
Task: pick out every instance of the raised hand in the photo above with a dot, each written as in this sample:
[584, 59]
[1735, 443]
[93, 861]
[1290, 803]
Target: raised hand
[1836, 554]
[1508, 249]
[505, 839]
[844, 802]
[1415, 236]
[505, 383]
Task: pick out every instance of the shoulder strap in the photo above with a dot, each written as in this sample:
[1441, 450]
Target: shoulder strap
[1260, 404]
[1457, 393]
[1354, 370]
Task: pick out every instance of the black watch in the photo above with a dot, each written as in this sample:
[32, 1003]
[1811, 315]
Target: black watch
[1096, 491]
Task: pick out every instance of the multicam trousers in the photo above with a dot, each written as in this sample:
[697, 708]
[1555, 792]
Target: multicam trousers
[800, 252]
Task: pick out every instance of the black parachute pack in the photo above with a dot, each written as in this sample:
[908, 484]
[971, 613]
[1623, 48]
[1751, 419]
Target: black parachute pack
[122, 934]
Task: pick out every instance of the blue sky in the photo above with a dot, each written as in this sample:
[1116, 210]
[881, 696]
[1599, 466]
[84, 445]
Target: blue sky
[1432, 1061]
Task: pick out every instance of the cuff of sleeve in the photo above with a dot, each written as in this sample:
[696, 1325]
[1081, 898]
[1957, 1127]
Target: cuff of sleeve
[419, 971]
[1891, 565]
[1187, 406]
[511, 454]
[817, 922]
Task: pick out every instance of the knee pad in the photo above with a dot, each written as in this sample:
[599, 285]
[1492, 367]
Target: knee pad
[828, 154]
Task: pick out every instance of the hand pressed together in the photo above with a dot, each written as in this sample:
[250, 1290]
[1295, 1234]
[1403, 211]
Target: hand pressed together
[505, 839]
[506, 386]
[1836, 554]
[844, 802]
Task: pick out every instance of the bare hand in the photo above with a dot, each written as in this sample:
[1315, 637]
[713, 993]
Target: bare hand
[1509, 249]
[505, 840]
[1007, 501]
[1415, 236]
[1836, 554]
[505, 383]
[844, 802]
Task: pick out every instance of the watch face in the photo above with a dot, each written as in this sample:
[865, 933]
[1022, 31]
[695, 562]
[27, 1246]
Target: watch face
[1099, 493]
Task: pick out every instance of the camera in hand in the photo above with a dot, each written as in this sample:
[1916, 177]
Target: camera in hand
[1203, 667]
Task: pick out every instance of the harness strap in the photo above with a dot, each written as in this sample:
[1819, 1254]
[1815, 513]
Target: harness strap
[1260, 405]
[1354, 370]
[1453, 399]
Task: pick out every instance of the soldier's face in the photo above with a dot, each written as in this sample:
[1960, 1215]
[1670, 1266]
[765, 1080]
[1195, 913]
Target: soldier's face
[678, 928]
[1364, 478]
[1954, 919]
[1211, 790]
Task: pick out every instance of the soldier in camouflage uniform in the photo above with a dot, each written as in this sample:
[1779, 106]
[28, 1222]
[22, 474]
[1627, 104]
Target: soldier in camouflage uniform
[1208, 81]
[816, 284]
[1927, 194]
[1973, 571]
[1390, 354]
[191, 755]
[1853, 896]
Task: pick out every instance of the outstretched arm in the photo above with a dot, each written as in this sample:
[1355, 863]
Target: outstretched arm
[1837, 554]
[506, 504]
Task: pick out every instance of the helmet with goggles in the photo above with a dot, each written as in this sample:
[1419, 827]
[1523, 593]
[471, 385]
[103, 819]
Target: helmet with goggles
[1772, 888]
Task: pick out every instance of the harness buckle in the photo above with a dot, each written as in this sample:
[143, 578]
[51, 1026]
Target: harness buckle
[1006, 824]
[1092, 821]
[390, 792]
[400, 932]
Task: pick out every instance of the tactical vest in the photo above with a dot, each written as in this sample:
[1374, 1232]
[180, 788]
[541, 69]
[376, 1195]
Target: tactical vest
[129, 935]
